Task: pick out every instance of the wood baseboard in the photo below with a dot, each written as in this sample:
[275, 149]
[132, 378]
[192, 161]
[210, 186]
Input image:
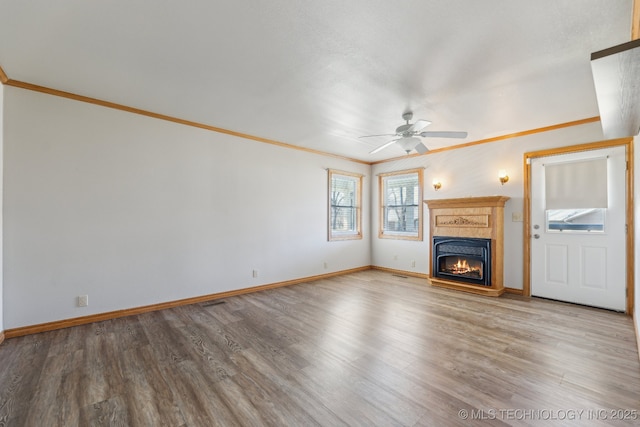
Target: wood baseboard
[514, 291]
[400, 272]
[1, 336]
[99, 317]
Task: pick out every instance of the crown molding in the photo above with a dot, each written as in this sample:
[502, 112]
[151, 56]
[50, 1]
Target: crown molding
[81, 98]
[499, 138]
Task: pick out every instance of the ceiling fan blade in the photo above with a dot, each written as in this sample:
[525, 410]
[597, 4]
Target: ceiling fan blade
[383, 134]
[418, 125]
[382, 147]
[444, 134]
[421, 148]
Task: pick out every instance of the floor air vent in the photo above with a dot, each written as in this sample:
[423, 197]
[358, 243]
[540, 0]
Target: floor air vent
[210, 303]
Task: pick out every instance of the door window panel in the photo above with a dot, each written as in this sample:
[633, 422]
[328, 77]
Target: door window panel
[575, 220]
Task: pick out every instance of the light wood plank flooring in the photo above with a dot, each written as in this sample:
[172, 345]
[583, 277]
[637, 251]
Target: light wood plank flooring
[364, 349]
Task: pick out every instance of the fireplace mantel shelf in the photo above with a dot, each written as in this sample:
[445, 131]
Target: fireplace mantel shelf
[471, 217]
[468, 202]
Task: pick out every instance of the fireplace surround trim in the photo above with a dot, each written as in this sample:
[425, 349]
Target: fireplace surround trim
[471, 217]
[463, 259]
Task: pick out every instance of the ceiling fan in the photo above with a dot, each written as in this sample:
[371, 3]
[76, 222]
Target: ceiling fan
[407, 135]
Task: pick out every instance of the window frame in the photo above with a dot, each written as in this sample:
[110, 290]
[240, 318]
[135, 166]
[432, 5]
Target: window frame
[333, 235]
[390, 234]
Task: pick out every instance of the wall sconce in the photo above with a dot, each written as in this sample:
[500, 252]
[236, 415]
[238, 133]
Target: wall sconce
[436, 184]
[502, 176]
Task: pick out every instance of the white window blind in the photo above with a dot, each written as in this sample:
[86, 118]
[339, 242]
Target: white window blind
[401, 205]
[344, 205]
[580, 184]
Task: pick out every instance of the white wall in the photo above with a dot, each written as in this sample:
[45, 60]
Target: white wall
[133, 211]
[467, 172]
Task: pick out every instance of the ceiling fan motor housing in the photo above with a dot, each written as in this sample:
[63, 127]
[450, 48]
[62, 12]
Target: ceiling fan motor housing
[400, 130]
[406, 135]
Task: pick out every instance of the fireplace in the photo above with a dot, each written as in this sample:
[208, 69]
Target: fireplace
[465, 260]
[468, 244]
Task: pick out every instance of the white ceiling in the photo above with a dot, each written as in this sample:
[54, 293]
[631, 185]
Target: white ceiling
[320, 74]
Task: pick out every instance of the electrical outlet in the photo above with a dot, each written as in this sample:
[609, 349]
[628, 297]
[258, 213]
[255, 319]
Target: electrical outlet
[83, 300]
[326, 265]
[255, 273]
[395, 257]
[413, 263]
[516, 217]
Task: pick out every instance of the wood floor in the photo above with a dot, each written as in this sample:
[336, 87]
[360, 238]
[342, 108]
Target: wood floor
[364, 349]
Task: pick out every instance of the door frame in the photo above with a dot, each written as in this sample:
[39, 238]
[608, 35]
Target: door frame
[628, 144]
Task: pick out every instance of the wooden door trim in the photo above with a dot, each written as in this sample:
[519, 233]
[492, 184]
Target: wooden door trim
[629, 261]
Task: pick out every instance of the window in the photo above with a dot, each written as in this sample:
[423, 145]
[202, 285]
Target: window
[576, 195]
[576, 220]
[345, 198]
[401, 205]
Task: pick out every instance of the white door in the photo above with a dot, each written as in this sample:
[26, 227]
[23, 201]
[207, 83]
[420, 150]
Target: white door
[579, 255]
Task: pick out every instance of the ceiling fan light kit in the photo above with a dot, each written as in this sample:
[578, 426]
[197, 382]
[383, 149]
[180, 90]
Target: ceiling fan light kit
[409, 143]
[407, 135]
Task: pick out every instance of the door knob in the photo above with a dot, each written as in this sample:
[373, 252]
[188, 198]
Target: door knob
[536, 236]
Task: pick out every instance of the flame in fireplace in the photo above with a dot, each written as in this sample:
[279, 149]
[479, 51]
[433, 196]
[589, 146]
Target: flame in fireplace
[463, 267]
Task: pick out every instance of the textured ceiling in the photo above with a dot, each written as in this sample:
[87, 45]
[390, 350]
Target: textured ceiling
[321, 74]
